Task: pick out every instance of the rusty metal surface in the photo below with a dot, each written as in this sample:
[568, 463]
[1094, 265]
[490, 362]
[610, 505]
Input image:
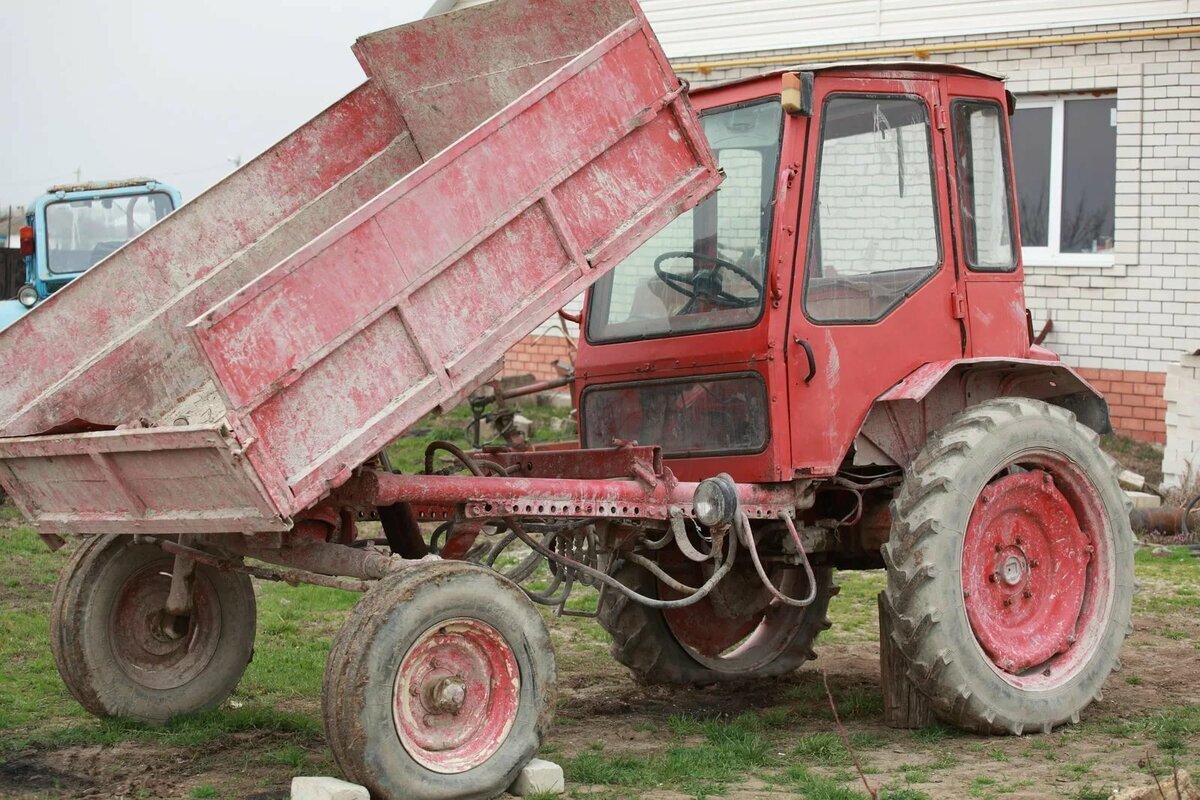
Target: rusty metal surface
[337, 288]
[175, 480]
[561, 497]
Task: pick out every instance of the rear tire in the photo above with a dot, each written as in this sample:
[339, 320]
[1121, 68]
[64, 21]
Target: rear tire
[439, 685]
[111, 645]
[1010, 568]
[644, 641]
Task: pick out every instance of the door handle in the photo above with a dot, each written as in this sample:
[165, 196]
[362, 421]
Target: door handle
[812, 362]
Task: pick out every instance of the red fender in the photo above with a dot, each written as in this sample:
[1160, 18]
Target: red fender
[902, 417]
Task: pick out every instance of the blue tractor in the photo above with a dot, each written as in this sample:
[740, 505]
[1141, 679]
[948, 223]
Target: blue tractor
[70, 228]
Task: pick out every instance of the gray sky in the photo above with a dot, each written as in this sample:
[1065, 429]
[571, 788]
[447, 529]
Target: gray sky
[168, 88]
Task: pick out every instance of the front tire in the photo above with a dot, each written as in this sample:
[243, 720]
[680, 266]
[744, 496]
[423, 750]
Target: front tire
[704, 643]
[1010, 568]
[119, 656]
[439, 685]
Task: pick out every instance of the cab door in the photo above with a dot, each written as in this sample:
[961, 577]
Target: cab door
[874, 294]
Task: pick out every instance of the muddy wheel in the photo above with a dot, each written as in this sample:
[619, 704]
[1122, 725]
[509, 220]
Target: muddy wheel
[1010, 568]
[735, 633]
[121, 656]
[440, 685]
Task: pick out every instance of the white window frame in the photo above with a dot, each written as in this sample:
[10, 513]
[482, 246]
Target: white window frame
[1051, 256]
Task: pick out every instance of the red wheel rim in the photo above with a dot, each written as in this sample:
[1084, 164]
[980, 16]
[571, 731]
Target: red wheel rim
[153, 649]
[1033, 572]
[456, 695]
[744, 632]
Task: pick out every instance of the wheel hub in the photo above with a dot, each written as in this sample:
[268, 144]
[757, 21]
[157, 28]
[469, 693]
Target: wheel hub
[456, 695]
[1025, 560]
[155, 649]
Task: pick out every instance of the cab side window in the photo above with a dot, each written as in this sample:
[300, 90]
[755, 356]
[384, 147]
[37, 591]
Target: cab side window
[984, 194]
[874, 229]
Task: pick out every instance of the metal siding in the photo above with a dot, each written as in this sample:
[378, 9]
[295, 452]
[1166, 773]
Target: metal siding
[691, 28]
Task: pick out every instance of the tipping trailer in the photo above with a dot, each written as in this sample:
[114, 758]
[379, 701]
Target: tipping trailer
[217, 382]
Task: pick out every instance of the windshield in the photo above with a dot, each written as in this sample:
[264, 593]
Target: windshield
[704, 271]
[81, 232]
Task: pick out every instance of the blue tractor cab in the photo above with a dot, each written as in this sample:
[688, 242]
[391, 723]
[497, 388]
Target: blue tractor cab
[71, 227]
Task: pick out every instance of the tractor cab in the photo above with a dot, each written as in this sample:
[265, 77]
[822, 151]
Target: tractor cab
[865, 229]
[71, 227]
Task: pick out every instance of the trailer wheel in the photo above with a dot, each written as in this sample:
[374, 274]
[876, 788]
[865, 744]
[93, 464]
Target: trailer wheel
[1010, 568]
[121, 656]
[711, 641]
[439, 685]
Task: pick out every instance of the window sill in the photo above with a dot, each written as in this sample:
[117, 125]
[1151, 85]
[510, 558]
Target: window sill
[1094, 260]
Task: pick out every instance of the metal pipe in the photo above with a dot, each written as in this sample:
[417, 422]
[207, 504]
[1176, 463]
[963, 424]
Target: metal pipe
[534, 388]
[1166, 521]
[568, 497]
[922, 52]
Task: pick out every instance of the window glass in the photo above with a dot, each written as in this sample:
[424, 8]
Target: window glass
[706, 270]
[81, 232]
[686, 417]
[1031, 132]
[1089, 181]
[1065, 158]
[874, 231]
[983, 193]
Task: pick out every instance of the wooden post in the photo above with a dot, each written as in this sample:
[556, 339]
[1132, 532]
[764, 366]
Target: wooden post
[903, 704]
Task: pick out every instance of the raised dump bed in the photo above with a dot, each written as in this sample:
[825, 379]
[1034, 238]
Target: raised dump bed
[230, 366]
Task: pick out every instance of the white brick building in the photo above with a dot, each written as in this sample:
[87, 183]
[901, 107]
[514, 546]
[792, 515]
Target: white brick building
[1106, 143]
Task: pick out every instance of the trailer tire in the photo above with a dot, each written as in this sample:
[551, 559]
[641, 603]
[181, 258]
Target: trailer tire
[402, 688]
[110, 646]
[643, 640]
[1010, 568]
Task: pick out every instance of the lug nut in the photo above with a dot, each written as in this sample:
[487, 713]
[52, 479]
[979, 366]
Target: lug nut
[1020, 540]
[1007, 602]
[999, 547]
[1027, 593]
[1034, 564]
[1046, 478]
[993, 577]
[1071, 639]
[1089, 549]
[966, 595]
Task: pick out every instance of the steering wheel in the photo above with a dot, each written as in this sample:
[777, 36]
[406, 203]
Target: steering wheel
[706, 285]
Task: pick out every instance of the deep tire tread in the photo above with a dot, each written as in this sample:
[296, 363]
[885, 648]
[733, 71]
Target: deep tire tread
[919, 511]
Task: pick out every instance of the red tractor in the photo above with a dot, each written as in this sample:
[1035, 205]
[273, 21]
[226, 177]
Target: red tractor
[826, 364]
[846, 317]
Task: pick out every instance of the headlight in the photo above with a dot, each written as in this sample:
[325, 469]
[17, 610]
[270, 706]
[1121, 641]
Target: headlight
[27, 296]
[715, 501]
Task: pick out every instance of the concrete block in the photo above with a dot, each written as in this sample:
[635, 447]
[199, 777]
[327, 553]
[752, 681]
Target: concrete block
[1144, 499]
[539, 776]
[327, 789]
[1131, 480]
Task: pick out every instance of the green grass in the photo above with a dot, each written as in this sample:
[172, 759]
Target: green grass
[727, 751]
[407, 454]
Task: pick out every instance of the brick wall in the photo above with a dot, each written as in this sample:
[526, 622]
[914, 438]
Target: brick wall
[1181, 458]
[535, 355]
[1136, 403]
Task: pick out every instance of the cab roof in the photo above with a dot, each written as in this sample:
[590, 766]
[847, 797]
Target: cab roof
[938, 67]
[93, 186]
